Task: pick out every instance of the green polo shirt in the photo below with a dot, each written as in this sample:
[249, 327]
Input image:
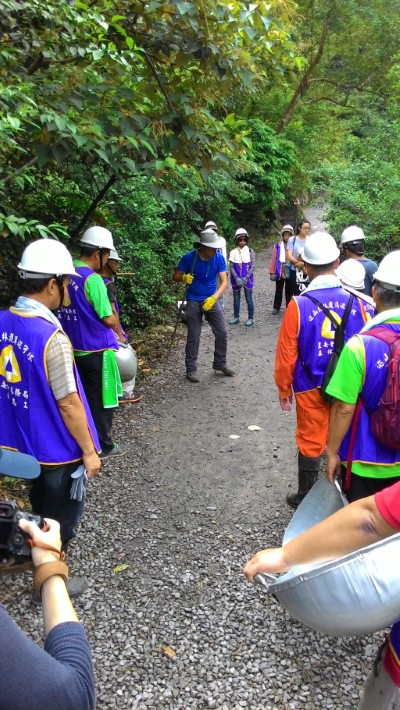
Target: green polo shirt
[96, 294]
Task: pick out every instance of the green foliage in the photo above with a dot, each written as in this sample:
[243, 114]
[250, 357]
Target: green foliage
[149, 248]
[273, 160]
[32, 229]
[199, 110]
[138, 87]
[364, 187]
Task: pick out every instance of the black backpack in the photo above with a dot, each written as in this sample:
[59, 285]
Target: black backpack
[337, 348]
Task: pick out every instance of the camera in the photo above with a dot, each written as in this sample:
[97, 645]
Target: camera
[14, 542]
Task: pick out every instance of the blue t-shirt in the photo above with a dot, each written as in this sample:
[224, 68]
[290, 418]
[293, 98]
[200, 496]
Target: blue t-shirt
[205, 274]
[370, 269]
[296, 246]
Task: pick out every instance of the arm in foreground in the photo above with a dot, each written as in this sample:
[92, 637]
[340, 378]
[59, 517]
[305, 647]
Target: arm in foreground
[362, 522]
[60, 677]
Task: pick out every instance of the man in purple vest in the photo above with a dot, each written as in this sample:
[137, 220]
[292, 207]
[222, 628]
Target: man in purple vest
[109, 273]
[43, 408]
[361, 372]
[91, 325]
[305, 344]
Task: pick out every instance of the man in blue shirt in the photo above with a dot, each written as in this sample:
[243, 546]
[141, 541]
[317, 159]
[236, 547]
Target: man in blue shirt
[199, 269]
[352, 242]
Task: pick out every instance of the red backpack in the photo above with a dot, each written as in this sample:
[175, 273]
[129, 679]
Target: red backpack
[385, 420]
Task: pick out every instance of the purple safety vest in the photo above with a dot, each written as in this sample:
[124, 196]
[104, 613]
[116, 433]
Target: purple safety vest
[242, 270]
[80, 321]
[367, 449]
[316, 336]
[278, 264]
[31, 419]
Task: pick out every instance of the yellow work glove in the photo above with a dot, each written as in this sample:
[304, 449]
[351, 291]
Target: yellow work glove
[187, 279]
[209, 303]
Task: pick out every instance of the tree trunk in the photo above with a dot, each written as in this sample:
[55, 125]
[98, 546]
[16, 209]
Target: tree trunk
[93, 206]
[305, 81]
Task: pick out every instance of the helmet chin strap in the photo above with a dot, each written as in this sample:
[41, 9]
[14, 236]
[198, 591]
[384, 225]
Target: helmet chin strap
[114, 273]
[102, 254]
[61, 289]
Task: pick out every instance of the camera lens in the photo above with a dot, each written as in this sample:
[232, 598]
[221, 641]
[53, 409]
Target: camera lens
[18, 539]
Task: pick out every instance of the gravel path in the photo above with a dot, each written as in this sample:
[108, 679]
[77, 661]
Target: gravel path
[179, 627]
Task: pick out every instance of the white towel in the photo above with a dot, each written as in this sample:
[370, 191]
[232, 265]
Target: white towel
[282, 256]
[240, 256]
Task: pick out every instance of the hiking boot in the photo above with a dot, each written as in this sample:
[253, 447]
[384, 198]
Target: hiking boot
[249, 323]
[275, 311]
[75, 587]
[225, 371]
[117, 450]
[234, 321]
[133, 398]
[191, 376]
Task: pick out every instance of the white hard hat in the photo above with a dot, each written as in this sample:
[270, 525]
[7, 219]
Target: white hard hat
[241, 233]
[46, 257]
[320, 248]
[287, 228]
[97, 237]
[351, 273]
[352, 234]
[114, 255]
[388, 273]
[210, 225]
[208, 238]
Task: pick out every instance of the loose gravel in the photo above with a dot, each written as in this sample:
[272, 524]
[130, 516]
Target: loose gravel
[178, 626]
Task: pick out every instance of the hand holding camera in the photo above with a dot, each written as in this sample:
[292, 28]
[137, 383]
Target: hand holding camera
[45, 541]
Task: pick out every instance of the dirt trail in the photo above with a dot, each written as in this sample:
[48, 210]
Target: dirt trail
[171, 620]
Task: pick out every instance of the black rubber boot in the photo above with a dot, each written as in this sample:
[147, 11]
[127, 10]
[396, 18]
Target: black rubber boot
[307, 475]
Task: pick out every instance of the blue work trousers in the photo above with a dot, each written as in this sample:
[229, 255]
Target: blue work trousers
[215, 317]
[248, 292]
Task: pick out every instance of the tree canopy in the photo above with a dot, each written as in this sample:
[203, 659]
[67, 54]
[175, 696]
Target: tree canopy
[138, 87]
[150, 117]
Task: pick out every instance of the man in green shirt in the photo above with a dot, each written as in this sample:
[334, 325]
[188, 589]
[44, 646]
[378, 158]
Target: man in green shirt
[91, 325]
[358, 384]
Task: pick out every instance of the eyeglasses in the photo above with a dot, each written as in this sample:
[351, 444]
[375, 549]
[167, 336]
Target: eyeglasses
[242, 239]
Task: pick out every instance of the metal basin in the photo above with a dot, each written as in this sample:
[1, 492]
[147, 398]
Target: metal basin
[352, 596]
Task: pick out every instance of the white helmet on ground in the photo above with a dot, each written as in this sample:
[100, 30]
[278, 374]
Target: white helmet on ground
[97, 237]
[388, 273]
[46, 257]
[351, 273]
[352, 234]
[320, 249]
[127, 362]
[114, 255]
[211, 225]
